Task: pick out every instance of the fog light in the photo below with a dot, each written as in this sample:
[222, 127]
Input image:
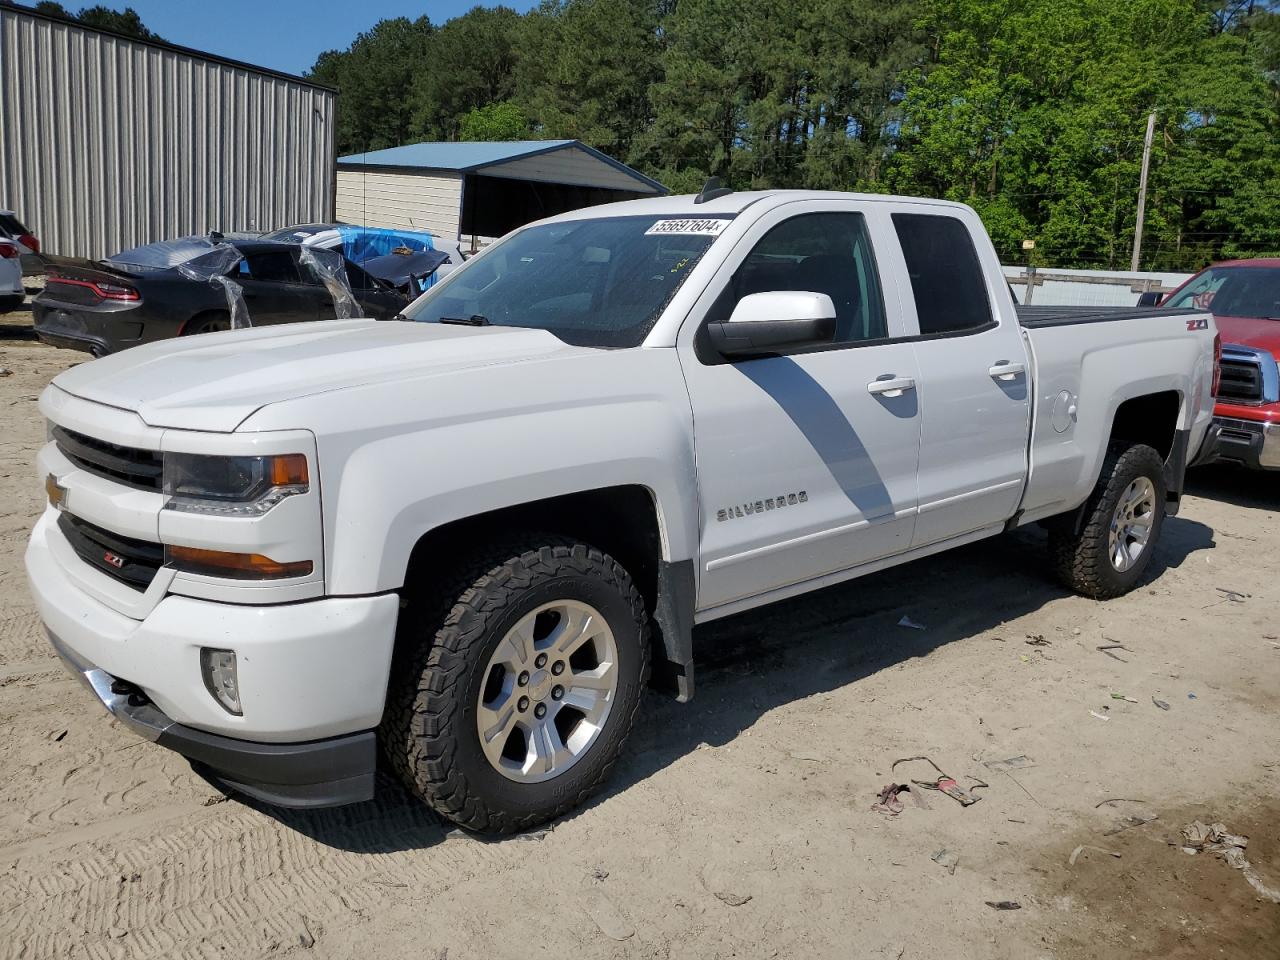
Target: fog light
[219, 669]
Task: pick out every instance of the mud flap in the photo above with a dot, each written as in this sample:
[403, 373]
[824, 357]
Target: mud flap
[1175, 472]
[673, 620]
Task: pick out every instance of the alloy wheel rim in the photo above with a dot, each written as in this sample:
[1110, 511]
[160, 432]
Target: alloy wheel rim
[1131, 524]
[547, 691]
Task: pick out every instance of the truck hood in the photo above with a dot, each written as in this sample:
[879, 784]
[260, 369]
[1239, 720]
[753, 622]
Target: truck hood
[1251, 332]
[216, 381]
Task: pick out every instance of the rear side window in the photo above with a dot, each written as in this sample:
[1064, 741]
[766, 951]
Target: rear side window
[946, 278]
[276, 266]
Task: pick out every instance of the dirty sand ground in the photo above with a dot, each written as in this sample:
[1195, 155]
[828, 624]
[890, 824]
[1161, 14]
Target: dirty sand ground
[736, 826]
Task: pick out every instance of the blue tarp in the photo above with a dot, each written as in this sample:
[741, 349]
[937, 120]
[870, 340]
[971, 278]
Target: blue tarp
[361, 244]
[364, 243]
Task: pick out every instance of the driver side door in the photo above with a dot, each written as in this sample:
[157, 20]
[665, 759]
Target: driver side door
[806, 460]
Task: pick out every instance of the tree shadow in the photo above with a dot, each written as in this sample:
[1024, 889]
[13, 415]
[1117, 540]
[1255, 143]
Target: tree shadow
[753, 662]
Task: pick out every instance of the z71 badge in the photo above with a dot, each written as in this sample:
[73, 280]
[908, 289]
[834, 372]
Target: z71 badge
[1198, 323]
[760, 506]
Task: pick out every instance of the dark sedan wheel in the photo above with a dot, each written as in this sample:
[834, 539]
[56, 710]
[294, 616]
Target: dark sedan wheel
[207, 323]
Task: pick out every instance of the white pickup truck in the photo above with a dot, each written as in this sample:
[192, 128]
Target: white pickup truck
[469, 537]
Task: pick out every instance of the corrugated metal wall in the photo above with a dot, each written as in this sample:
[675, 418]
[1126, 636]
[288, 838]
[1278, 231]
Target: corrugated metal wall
[106, 143]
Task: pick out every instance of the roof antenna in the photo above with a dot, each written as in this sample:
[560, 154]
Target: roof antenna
[713, 189]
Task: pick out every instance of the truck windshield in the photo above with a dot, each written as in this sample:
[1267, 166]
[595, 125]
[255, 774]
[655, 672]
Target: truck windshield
[1233, 292]
[598, 282]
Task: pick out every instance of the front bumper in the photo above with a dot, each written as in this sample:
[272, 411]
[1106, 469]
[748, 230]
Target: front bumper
[312, 678]
[320, 773]
[1252, 443]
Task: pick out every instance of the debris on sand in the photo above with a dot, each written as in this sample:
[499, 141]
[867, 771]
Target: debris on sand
[1003, 904]
[1108, 647]
[1214, 838]
[888, 803]
[1075, 854]
[1013, 763]
[1163, 705]
[946, 784]
[606, 916]
[1131, 821]
[947, 860]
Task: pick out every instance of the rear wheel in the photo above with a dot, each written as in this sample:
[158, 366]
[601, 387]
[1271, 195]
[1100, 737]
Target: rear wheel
[515, 707]
[1122, 522]
[207, 323]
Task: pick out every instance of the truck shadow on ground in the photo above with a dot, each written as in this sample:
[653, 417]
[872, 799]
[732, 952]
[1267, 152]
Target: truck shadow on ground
[1257, 489]
[752, 663]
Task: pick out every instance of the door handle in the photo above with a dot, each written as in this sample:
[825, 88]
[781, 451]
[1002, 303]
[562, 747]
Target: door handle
[891, 386]
[1007, 371]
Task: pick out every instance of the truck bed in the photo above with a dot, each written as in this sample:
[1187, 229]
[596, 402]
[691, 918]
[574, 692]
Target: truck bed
[1049, 315]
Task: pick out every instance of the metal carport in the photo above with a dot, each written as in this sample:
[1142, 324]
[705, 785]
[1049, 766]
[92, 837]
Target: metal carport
[475, 191]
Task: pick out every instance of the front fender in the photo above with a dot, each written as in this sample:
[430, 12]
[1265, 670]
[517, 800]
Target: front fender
[400, 459]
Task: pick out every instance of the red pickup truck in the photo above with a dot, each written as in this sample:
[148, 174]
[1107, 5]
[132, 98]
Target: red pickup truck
[1244, 298]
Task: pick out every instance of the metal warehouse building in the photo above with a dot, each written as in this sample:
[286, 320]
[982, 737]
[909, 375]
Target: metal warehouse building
[107, 142]
[472, 190]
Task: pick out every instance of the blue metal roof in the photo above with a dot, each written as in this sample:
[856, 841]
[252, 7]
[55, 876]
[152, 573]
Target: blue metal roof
[469, 156]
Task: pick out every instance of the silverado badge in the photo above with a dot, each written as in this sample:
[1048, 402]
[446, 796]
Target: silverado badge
[760, 506]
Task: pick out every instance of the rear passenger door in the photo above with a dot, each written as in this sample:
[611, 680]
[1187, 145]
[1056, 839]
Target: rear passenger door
[274, 291]
[974, 399]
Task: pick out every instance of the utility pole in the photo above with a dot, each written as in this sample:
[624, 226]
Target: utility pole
[1142, 193]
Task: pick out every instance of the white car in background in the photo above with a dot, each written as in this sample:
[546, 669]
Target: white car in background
[16, 241]
[11, 291]
[338, 236]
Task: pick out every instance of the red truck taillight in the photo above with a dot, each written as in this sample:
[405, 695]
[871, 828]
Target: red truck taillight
[1217, 363]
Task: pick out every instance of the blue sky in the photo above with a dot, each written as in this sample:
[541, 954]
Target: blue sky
[282, 34]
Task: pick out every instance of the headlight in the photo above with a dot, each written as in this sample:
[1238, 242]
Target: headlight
[231, 486]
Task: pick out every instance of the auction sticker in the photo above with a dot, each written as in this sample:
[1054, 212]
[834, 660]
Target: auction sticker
[699, 228]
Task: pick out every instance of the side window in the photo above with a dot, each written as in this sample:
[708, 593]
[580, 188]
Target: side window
[820, 253]
[1200, 292]
[275, 266]
[946, 277]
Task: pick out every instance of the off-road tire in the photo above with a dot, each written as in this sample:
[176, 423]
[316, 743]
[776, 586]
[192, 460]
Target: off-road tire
[428, 732]
[1080, 560]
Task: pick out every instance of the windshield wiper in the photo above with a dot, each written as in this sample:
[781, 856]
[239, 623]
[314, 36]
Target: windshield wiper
[475, 320]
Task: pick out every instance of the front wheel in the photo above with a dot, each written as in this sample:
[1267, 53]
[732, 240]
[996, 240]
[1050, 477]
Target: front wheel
[1121, 524]
[514, 709]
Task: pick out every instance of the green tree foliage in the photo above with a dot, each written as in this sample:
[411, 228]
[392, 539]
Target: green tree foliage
[496, 121]
[1031, 110]
[124, 21]
[377, 76]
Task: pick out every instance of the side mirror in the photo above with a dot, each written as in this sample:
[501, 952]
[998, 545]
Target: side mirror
[765, 323]
[1151, 298]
